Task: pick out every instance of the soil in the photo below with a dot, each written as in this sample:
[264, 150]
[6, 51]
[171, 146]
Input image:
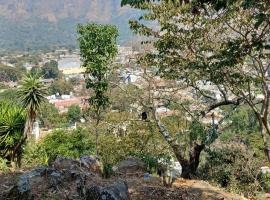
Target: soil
[141, 189]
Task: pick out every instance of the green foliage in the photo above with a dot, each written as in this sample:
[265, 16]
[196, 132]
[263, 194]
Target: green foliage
[74, 113]
[12, 120]
[10, 94]
[141, 141]
[197, 132]
[50, 70]
[51, 118]
[34, 155]
[244, 128]
[232, 167]
[3, 165]
[2, 86]
[107, 170]
[119, 99]
[98, 49]
[61, 86]
[32, 93]
[9, 74]
[265, 181]
[69, 144]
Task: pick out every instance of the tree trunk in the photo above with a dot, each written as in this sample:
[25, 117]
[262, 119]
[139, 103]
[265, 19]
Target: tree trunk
[189, 166]
[264, 138]
[97, 151]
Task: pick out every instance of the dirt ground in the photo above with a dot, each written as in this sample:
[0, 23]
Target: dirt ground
[151, 189]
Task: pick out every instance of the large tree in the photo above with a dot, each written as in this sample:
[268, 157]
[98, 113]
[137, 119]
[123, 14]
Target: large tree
[98, 49]
[32, 94]
[50, 69]
[222, 44]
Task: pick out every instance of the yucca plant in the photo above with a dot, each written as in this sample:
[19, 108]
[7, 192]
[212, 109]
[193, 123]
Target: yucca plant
[12, 120]
[31, 93]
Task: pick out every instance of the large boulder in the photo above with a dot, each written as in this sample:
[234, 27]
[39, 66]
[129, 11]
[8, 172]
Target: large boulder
[117, 191]
[22, 190]
[86, 163]
[131, 165]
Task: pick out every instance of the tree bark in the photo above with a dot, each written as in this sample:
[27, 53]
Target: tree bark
[265, 143]
[189, 166]
[264, 137]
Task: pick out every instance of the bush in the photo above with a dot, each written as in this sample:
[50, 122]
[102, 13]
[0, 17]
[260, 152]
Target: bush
[232, 167]
[51, 118]
[3, 165]
[74, 113]
[59, 143]
[34, 155]
[265, 181]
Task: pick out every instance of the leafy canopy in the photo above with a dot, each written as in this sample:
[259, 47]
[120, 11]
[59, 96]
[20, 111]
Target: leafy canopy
[32, 92]
[98, 48]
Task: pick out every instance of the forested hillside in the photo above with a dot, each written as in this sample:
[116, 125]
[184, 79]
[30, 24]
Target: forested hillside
[38, 24]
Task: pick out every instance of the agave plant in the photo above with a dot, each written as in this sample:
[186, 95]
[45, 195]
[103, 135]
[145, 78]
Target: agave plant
[31, 93]
[12, 120]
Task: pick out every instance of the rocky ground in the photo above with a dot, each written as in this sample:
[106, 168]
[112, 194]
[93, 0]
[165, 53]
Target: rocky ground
[80, 179]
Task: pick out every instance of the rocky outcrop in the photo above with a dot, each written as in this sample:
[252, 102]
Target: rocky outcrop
[65, 177]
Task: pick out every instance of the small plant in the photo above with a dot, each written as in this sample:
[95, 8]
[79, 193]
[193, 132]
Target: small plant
[3, 165]
[265, 181]
[107, 170]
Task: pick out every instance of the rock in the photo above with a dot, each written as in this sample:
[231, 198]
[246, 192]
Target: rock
[22, 190]
[91, 163]
[117, 191]
[86, 163]
[131, 165]
[62, 163]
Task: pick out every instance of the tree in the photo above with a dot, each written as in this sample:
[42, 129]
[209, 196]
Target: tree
[97, 49]
[61, 86]
[32, 94]
[50, 70]
[218, 43]
[9, 74]
[12, 120]
[74, 113]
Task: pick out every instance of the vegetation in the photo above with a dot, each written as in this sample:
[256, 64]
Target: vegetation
[74, 113]
[50, 70]
[98, 49]
[50, 117]
[9, 74]
[61, 87]
[59, 143]
[201, 96]
[191, 46]
[12, 120]
[32, 94]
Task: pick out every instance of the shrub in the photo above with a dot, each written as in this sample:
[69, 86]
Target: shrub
[71, 144]
[3, 165]
[34, 154]
[74, 113]
[232, 167]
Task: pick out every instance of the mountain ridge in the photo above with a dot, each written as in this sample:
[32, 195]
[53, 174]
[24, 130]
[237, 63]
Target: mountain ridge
[25, 24]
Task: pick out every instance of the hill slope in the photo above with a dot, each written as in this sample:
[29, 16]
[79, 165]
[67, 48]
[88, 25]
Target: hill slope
[47, 23]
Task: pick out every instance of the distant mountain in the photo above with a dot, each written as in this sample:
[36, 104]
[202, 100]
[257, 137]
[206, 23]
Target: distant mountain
[37, 24]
